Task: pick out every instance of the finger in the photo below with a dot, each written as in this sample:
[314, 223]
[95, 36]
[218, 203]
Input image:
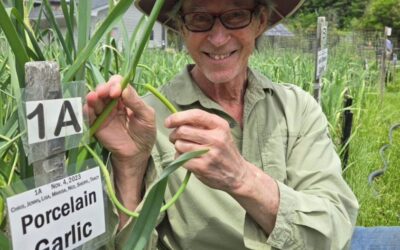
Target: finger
[110, 90]
[197, 118]
[89, 113]
[115, 86]
[190, 133]
[95, 102]
[182, 146]
[133, 101]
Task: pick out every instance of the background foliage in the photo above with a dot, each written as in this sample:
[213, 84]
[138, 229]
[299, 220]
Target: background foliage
[350, 15]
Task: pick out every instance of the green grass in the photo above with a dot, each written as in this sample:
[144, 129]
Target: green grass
[379, 204]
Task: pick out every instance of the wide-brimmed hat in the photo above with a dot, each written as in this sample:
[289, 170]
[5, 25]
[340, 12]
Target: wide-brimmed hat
[281, 10]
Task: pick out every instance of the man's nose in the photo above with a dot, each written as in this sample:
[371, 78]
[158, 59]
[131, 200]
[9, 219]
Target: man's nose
[218, 35]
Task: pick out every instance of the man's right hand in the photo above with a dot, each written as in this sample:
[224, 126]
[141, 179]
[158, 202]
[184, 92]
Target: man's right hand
[129, 131]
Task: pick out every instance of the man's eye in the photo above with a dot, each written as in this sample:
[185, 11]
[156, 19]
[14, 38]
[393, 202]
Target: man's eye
[237, 15]
[201, 18]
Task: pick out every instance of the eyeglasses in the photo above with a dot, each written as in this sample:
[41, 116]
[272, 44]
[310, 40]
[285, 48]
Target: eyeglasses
[203, 21]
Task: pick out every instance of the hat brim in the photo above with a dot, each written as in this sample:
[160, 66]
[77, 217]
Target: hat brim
[282, 9]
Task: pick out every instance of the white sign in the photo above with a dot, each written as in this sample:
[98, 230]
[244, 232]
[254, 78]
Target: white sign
[322, 62]
[61, 215]
[50, 119]
[388, 31]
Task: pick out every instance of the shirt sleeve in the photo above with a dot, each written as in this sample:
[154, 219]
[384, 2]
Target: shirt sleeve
[119, 238]
[317, 208]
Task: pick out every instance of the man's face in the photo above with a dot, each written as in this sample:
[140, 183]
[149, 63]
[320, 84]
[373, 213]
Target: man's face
[221, 54]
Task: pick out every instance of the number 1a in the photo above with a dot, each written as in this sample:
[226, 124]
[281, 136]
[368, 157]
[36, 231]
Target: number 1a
[66, 107]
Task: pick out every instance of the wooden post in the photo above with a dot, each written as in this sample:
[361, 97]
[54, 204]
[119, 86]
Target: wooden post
[347, 127]
[394, 61]
[321, 57]
[47, 76]
[383, 62]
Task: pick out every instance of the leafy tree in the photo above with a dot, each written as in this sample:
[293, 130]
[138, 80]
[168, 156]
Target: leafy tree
[340, 13]
[381, 13]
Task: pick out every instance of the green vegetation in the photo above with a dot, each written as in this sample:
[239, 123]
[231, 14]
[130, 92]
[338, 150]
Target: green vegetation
[379, 203]
[99, 56]
[350, 15]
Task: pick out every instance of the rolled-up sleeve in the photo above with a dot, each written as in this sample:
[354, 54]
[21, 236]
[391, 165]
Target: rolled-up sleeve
[317, 208]
[121, 237]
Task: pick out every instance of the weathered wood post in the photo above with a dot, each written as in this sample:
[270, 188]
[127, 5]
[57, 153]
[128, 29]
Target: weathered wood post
[46, 77]
[394, 61]
[321, 56]
[388, 32]
[347, 127]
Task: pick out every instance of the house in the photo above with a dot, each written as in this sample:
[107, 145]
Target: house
[278, 30]
[277, 37]
[159, 35]
[99, 12]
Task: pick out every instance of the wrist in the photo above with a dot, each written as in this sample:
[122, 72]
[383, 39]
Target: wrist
[133, 165]
[244, 185]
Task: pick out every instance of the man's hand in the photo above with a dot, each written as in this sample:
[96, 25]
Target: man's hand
[129, 131]
[222, 167]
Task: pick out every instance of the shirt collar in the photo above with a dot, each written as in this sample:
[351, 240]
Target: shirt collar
[185, 90]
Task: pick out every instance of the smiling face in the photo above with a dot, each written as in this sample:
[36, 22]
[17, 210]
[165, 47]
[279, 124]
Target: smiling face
[221, 55]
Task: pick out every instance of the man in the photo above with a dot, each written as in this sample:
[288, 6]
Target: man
[271, 177]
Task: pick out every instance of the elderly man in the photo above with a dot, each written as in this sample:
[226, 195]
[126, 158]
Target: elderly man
[271, 178]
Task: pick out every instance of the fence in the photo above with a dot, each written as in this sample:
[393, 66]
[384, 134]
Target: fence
[368, 44]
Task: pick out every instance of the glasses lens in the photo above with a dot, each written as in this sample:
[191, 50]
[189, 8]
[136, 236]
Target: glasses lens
[198, 21]
[236, 19]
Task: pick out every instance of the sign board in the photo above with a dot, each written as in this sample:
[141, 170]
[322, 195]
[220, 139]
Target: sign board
[388, 31]
[64, 214]
[322, 62]
[51, 119]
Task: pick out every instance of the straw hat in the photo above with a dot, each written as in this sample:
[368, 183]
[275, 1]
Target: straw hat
[282, 9]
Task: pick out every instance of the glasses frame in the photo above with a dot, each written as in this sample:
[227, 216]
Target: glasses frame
[215, 16]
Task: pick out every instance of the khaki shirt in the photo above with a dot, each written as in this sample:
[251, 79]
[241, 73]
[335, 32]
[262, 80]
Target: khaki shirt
[286, 135]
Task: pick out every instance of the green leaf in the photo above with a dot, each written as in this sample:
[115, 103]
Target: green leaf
[115, 15]
[39, 18]
[133, 43]
[4, 241]
[84, 17]
[147, 220]
[107, 55]
[33, 39]
[69, 24]
[116, 54]
[19, 6]
[145, 35]
[3, 67]
[180, 161]
[96, 75]
[13, 38]
[52, 20]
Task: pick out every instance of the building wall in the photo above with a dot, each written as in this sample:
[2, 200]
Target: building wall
[132, 18]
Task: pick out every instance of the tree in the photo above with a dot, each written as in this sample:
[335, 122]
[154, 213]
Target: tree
[340, 14]
[381, 13]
